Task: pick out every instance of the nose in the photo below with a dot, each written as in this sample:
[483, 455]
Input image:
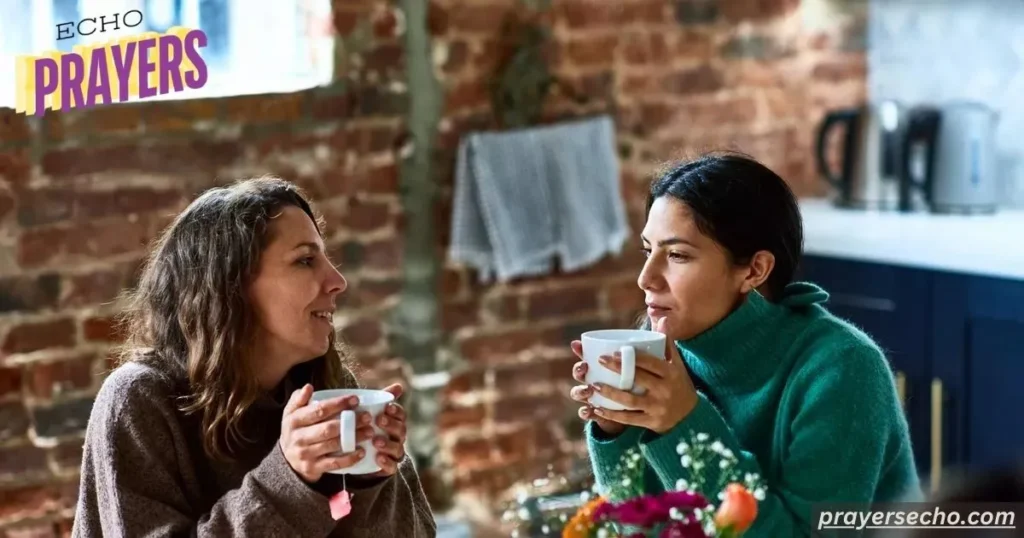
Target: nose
[649, 278]
[335, 282]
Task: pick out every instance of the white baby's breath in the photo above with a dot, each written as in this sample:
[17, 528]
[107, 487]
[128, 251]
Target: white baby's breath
[703, 437]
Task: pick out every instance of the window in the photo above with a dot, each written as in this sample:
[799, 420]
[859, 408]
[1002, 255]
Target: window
[253, 46]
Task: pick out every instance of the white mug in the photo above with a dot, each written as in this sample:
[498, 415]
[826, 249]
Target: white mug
[627, 342]
[371, 401]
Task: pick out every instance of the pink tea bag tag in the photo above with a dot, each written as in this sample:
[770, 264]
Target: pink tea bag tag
[341, 502]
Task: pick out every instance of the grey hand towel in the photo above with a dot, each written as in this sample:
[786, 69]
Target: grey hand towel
[525, 197]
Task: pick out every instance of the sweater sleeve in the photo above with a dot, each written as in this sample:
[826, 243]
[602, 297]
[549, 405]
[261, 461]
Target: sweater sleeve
[131, 486]
[845, 428]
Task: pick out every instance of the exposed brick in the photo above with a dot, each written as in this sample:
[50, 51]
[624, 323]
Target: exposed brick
[32, 530]
[691, 12]
[15, 165]
[476, 18]
[472, 452]
[95, 287]
[747, 10]
[119, 118]
[841, 68]
[515, 445]
[36, 502]
[368, 293]
[457, 57]
[592, 51]
[47, 379]
[703, 79]
[561, 302]
[363, 333]
[451, 417]
[33, 336]
[331, 104]
[453, 282]
[47, 206]
[438, 20]
[466, 95]
[64, 418]
[378, 100]
[491, 347]
[14, 423]
[383, 254]
[346, 19]
[68, 455]
[10, 381]
[534, 408]
[13, 126]
[591, 14]
[26, 461]
[753, 47]
[265, 108]
[100, 329]
[93, 240]
[457, 314]
[182, 158]
[29, 293]
[186, 115]
[625, 297]
[464, 381]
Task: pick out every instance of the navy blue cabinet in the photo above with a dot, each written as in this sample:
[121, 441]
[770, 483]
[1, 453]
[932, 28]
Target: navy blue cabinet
[956, 345]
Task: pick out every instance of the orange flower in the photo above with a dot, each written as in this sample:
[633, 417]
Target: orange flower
[581, 523]
[738, 510]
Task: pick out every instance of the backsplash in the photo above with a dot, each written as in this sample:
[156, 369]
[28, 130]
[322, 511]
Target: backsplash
[931, 51]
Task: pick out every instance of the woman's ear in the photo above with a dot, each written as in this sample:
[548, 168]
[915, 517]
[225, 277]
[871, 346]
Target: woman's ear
[761, 265]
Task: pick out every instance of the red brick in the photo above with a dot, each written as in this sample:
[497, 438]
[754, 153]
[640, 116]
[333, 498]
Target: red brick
[437, 18]
[10, 381]
[36, 502]
[515, 445]
[100, 329]
[517, 377]
[33, 336]
[561, 302]
[490, 347]
[372, 138]
[32, 530]
[591, 14]
[93, 240]
[385, 58]
[366, 216]
[267, 108]
[384, 255]
[183, 158]
[703, 79]
[475, 18]
[472, 452]
[368, 293]
[15, 165]
[453, 282]
[169, 116]
[121, 119]
[26, 461]
[841, 68]
[385, 23]
[6, 202]
[470, 95]
[14, 422]
[364, 333]
[538, 409]
[13, 126]
[451, 417]
[731, 111]
[96, 287]
[464, 381]
[47, 379]
[457, 58]
[625, 296]
[346, 19]
[47, 206]
[742, 10]
[68, 455]
[592, 51]
[458, 314]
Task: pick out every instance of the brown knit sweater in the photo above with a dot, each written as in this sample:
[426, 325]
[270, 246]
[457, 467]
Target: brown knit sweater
[144, 473]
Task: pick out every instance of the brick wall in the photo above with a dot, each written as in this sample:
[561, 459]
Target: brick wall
[81, 193]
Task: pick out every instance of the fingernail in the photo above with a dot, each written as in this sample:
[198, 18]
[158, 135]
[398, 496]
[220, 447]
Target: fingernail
[383, 421]
[598, 411]
[353, 400]
[596, 387]
[360, 452]
[365, 419]
[382, 460]
[379, 443]
[393, 409]
[617, 354]
[604, 359]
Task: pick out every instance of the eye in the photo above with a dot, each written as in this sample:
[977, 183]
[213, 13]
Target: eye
[646, 251]
[679, 256]
[308, 261]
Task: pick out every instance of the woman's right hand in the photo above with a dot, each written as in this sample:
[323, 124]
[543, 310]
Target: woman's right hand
[583, 392]
[311, 434]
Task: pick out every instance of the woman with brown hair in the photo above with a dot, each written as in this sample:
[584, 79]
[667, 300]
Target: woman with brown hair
[207, 428]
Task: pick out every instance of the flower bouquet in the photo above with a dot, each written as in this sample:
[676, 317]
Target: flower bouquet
[685, 512]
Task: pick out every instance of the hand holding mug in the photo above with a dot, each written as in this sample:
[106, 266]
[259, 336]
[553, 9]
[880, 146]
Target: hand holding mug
[391, 445]
[582, 394]
[310, 434]
[670, 394]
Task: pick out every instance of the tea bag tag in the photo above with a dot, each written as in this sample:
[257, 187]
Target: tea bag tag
[341, 502]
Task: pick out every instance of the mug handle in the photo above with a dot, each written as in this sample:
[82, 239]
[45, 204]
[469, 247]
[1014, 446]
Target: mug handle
[348, 431]
[628, 374]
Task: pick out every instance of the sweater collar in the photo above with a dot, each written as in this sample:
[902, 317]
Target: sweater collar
[741, 352]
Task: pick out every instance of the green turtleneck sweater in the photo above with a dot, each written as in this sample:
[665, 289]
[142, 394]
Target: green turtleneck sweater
[799, 397]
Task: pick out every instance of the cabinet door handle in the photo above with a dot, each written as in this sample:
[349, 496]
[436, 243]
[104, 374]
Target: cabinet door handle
[937, 397]
[901, 387]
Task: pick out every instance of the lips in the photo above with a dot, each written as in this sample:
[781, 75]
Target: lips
[657, 310]
[324, 315]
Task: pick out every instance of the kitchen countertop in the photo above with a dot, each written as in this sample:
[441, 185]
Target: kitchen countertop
[987, 245]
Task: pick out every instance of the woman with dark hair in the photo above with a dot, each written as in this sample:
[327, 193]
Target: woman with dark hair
[797, 396]
[207, 428]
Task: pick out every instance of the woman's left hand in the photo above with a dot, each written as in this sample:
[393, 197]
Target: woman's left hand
[390, 447]
[670, 395]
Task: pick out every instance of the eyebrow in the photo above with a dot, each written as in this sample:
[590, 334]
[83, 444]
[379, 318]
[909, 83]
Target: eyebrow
[670, 241]
[307, 244]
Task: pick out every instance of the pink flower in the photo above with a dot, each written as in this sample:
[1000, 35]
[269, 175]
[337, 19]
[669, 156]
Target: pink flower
[683, 500]
[648, 510]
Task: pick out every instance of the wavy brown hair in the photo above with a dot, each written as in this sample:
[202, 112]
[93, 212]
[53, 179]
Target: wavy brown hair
[190, 316]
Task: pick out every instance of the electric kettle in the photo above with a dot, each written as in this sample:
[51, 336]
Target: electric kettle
[960, 168]
[872, 170]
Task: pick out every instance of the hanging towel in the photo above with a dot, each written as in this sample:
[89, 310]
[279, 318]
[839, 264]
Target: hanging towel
[528, 197]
